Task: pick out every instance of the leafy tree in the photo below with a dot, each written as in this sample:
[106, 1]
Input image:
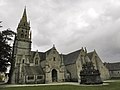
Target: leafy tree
[5, 48]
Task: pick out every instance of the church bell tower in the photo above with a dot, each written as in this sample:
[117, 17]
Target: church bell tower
[21, 49]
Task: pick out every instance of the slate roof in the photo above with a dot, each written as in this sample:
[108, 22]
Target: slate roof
[41, 55]
[113, 66]
[71, 57]
[33, 70]
[90, 54]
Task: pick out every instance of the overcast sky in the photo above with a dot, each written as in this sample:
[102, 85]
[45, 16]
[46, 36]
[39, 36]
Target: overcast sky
[69, 24]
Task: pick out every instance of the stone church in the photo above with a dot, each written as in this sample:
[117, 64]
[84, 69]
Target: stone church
[49, 66]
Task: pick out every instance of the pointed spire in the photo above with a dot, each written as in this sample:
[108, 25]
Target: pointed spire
[23, 22]
[82, 49]
[24, 17]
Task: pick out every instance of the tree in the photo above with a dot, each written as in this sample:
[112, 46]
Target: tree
[0, 25]
[5, 48]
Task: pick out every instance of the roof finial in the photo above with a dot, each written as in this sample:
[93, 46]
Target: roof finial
[85, 50]
[82, 49]
[94, 51]
[25, 6]
[37, 50]
[53, 45]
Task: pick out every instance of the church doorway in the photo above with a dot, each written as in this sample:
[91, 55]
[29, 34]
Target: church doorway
[54, 75]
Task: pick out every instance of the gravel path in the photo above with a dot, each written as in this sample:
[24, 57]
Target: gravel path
[65, 83]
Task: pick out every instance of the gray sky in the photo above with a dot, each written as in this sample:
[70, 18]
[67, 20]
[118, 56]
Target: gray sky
[69, 24]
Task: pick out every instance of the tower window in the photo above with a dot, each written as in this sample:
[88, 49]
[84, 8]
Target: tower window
[25, 36]
[22, 36]
[23, 61]
[53, 58]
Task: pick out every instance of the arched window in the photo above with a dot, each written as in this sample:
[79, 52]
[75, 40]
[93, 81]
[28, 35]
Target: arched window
[22, 36]
[25, 36]
[53, 58]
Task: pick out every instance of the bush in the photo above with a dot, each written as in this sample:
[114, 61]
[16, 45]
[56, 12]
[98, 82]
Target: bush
[1, 78]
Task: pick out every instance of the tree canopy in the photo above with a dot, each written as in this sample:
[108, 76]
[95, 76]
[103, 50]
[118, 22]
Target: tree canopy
[5, 48]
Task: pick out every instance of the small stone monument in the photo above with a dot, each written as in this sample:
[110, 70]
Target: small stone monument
[89, 75]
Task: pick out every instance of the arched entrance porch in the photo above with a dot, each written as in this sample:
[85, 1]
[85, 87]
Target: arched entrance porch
[54, 75]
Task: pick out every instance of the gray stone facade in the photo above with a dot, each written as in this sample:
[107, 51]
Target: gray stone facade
[50, 66]
[114, 69]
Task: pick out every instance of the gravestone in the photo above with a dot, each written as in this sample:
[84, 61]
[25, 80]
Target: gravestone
[89, 75]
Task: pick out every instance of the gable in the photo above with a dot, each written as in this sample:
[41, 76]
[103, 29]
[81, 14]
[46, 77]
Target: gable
[51, 51]
[90, 54]
[42, 56]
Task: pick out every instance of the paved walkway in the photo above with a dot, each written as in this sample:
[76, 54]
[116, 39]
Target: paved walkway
[65, 83]
[112, 81]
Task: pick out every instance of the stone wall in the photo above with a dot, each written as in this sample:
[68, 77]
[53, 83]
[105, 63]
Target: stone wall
[54, 62]
[73, 71]
[97, 62]
[114, 74]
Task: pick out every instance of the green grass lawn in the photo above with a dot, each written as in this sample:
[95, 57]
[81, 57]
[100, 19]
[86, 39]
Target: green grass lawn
[111, 86]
